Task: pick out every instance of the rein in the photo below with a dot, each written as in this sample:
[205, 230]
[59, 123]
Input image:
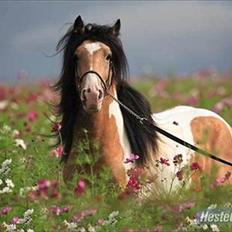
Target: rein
[146, 122]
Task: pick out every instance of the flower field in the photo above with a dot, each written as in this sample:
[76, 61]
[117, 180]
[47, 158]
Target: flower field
[33, 196]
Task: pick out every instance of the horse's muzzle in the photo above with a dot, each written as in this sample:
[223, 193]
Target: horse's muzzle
[92, 100]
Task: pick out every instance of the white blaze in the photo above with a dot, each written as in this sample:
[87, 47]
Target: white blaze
[92, 47]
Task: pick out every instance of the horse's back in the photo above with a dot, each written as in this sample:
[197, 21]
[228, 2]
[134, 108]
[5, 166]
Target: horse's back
[197, 126]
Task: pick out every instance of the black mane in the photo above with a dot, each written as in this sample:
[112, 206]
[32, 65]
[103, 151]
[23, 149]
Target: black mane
[70, 103]
[142, 139]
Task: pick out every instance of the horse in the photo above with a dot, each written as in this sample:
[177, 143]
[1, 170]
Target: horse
[94, 69]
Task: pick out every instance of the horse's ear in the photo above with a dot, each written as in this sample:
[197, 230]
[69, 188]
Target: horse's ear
[78, 25]
[116, 28]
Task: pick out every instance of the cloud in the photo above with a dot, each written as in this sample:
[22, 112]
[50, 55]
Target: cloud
[36, 38]
[163, 34]
[141, 21]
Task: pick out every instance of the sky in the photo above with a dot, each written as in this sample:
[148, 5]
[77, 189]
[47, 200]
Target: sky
[160, 37]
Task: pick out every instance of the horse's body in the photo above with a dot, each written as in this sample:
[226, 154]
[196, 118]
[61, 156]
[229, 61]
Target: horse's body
[86, 106]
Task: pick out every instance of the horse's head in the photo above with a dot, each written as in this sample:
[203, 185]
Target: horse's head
[94, 67]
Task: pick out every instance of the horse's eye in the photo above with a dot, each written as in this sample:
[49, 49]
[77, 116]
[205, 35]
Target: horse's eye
[109, 57]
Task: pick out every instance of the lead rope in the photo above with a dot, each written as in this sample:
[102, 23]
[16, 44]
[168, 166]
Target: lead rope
[143, 120]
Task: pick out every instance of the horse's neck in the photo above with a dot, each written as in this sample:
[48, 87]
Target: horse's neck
[106, 128]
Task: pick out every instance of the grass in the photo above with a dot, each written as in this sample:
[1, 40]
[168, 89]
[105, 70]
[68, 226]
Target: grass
[25, 116]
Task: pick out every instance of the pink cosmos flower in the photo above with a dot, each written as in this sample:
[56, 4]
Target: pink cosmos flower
[32, 195]
[66, 209]
[221, 180]
[195, 166]
[178, 159]
[133, 184]
[227, 101]
[3, 92]
[58, 152]
[43, 186]
[218, 107]
[131, 159]
[179, 175]
[15, 220]
[5, 210]
[45, 189]
[183, 206]
[86, 213]
[100, 221]
[56, 127]
[32, 116]
[193, 101]
[44, 183]
[80, 187]
[161, 88]
[56, 210]
[164, 161]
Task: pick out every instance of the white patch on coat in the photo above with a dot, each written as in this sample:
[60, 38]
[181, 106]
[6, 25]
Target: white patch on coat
[92, 47]
[115, 111]
[177, 121]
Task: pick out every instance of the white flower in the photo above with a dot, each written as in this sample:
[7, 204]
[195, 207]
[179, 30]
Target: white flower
[28, 212]
[228, 205]
[82, 229]
[15, 133]
[6, 163]
[71, 225]
[1, 181]
[204, 227]
[9, 183]
[4, 170]
[213, 206]
[91, 228]
[6, 129]
[30, 230]
[20, 143]
[23, 191]
[10, 227]
[25, 220]
[3, 104]
[214, 228]
[52, 118]
[5, 190]
[113, 214]
[191, 222]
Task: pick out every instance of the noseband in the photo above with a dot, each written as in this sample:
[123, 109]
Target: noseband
[106, 84]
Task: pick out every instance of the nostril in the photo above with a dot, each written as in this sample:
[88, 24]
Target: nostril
[100, 94]
[88, 90]
[83, 95]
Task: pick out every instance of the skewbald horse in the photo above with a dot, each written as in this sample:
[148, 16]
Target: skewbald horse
[94, 64]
